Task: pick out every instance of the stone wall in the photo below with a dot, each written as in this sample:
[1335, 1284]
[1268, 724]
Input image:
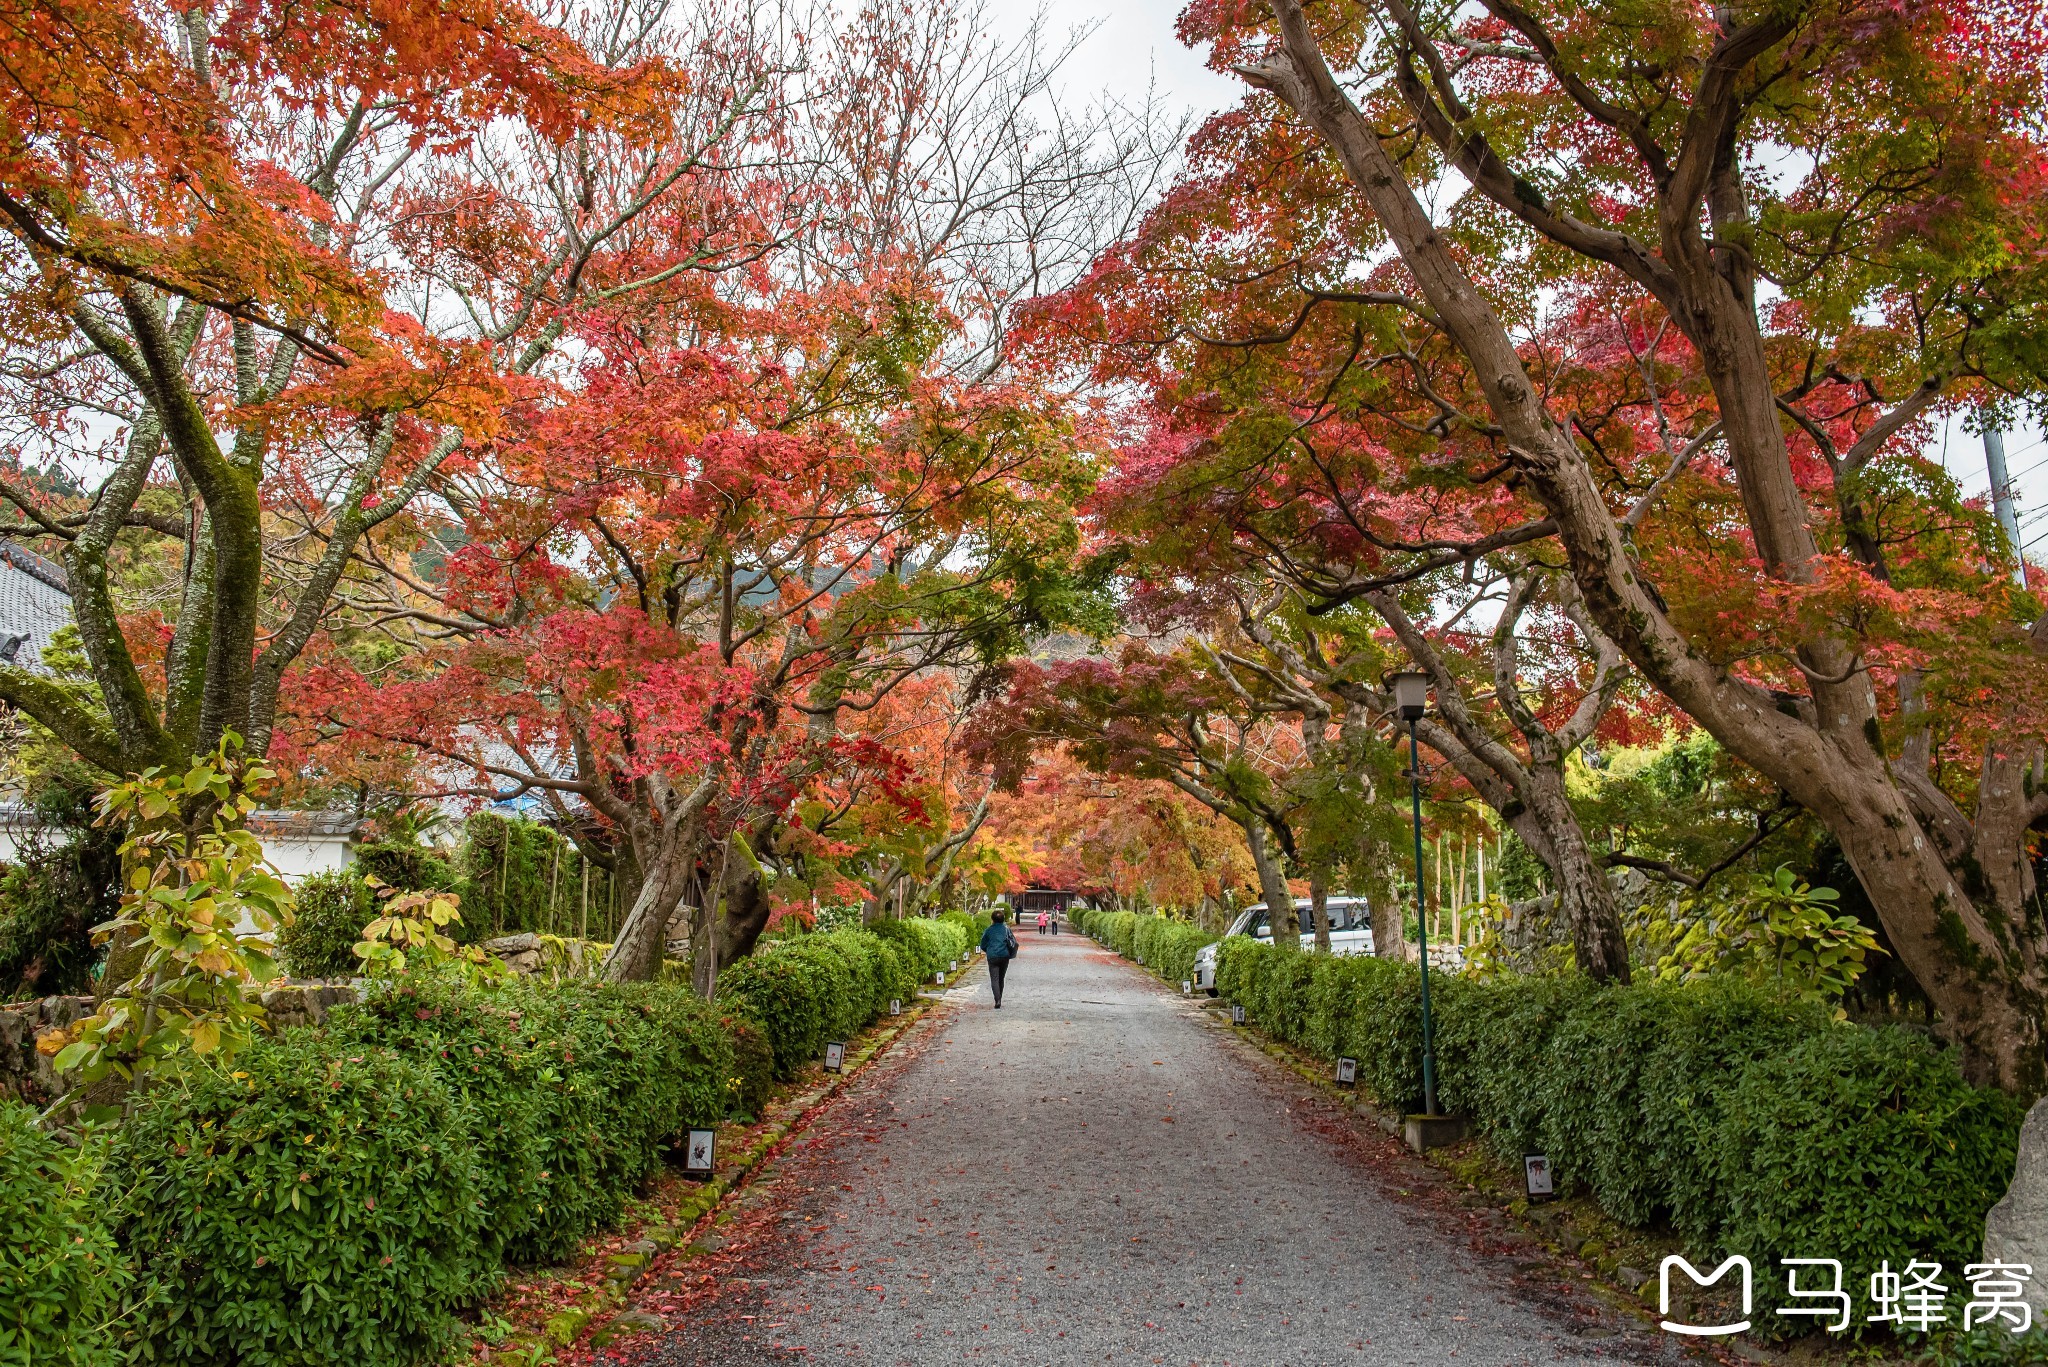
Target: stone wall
[31, 1033]
[25, 1072]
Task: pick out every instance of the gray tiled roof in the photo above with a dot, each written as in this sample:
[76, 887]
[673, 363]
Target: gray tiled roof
[35, 602]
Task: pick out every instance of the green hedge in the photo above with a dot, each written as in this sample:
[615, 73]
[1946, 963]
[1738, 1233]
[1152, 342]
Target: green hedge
[811, 989]
[1164, 945]
[515, 875]
[59, 1275]
[351, 1187]
[320, 1205]
[927, 945]
[333, 907]
[1747, 1123]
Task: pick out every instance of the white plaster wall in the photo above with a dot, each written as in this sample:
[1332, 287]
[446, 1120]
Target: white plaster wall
[302, 856]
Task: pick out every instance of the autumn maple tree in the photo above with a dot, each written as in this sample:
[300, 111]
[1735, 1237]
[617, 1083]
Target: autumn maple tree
[1754, 215]
[770, 504]
[231, 233]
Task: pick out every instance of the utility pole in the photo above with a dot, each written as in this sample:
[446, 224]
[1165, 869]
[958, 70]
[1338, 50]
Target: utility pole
[2001, 495]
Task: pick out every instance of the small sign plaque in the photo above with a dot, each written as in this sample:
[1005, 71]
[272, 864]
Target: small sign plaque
[1187, 989]
[1536, 1169]
[1237, 1015]
[895, 1006]
[835, 1058]
[939, 977]
[697, 1154]
[1347, 1072]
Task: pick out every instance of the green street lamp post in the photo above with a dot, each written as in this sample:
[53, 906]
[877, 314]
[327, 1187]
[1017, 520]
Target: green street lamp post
[1411, 700]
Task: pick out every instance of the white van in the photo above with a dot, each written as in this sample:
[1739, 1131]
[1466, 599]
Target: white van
[1350, 932]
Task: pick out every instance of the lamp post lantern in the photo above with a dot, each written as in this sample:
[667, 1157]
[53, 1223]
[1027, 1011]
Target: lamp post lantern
[1411, 700]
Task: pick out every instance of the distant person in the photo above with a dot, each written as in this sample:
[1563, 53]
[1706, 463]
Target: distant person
[1041, 923]
[1001, 946]
[1055, 921]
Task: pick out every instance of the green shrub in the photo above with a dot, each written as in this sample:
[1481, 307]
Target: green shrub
[785, 990]
[1168, 947]
[321, 1205]
[470, 1041]
[860, 992]
[406, 866]
[65, 879]
[621, 1071]
[333, 907]
[516, 875]
[1749, 1123]
[806, 990]
[969, 925]
[753, 1066]
[1866, 1144]
[928, 945]
[59, 1275]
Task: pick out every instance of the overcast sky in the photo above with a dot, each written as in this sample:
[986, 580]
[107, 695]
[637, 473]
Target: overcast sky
[1133, 43]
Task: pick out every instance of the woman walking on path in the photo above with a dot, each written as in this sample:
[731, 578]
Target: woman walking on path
[1000, 946]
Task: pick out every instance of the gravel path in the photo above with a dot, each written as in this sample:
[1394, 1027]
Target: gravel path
[1100, 1173]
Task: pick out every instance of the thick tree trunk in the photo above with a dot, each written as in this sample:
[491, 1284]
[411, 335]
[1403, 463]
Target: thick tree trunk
[1279, 901]
[1319, 910]
[1585, 899]
[746, 916]
[1990, 999]
[666, 861]
[1389, 927]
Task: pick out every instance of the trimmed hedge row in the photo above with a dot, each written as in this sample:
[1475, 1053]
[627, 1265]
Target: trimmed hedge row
[1748, 1123]
[1166, 946]
[347, 1189]
[811, 989]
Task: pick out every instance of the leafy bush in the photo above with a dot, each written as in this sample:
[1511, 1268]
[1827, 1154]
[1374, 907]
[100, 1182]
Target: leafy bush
[1750, 1122]
[927, 945]
[470, 1040]
[753, 1066]
[59, 1275]
[404, 865]
[1865, 1143]
[333, 908]
[809, 989]
[518, 875]
[784, 988]
[1162, 944]
[1168, 947]
[621, 1071]
[322, 1204]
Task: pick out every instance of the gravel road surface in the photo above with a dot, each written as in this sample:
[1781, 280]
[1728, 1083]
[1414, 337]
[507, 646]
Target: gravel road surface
[1100, 1172]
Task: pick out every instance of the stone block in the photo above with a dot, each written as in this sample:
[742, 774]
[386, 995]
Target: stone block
[1425, 1132]
[2016, 1230]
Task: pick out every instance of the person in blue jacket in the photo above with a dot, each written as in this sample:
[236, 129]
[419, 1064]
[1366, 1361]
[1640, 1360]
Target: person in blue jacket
[1001, 946]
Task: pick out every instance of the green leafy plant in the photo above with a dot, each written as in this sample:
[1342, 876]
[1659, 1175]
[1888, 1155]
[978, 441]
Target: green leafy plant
[412, 928]
[1776, 930]
[61, 1281]
[328, 919]
[319, 1204]
[203, 903]
[1735, 1114]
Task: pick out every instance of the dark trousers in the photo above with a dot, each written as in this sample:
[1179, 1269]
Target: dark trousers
[996, 969]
